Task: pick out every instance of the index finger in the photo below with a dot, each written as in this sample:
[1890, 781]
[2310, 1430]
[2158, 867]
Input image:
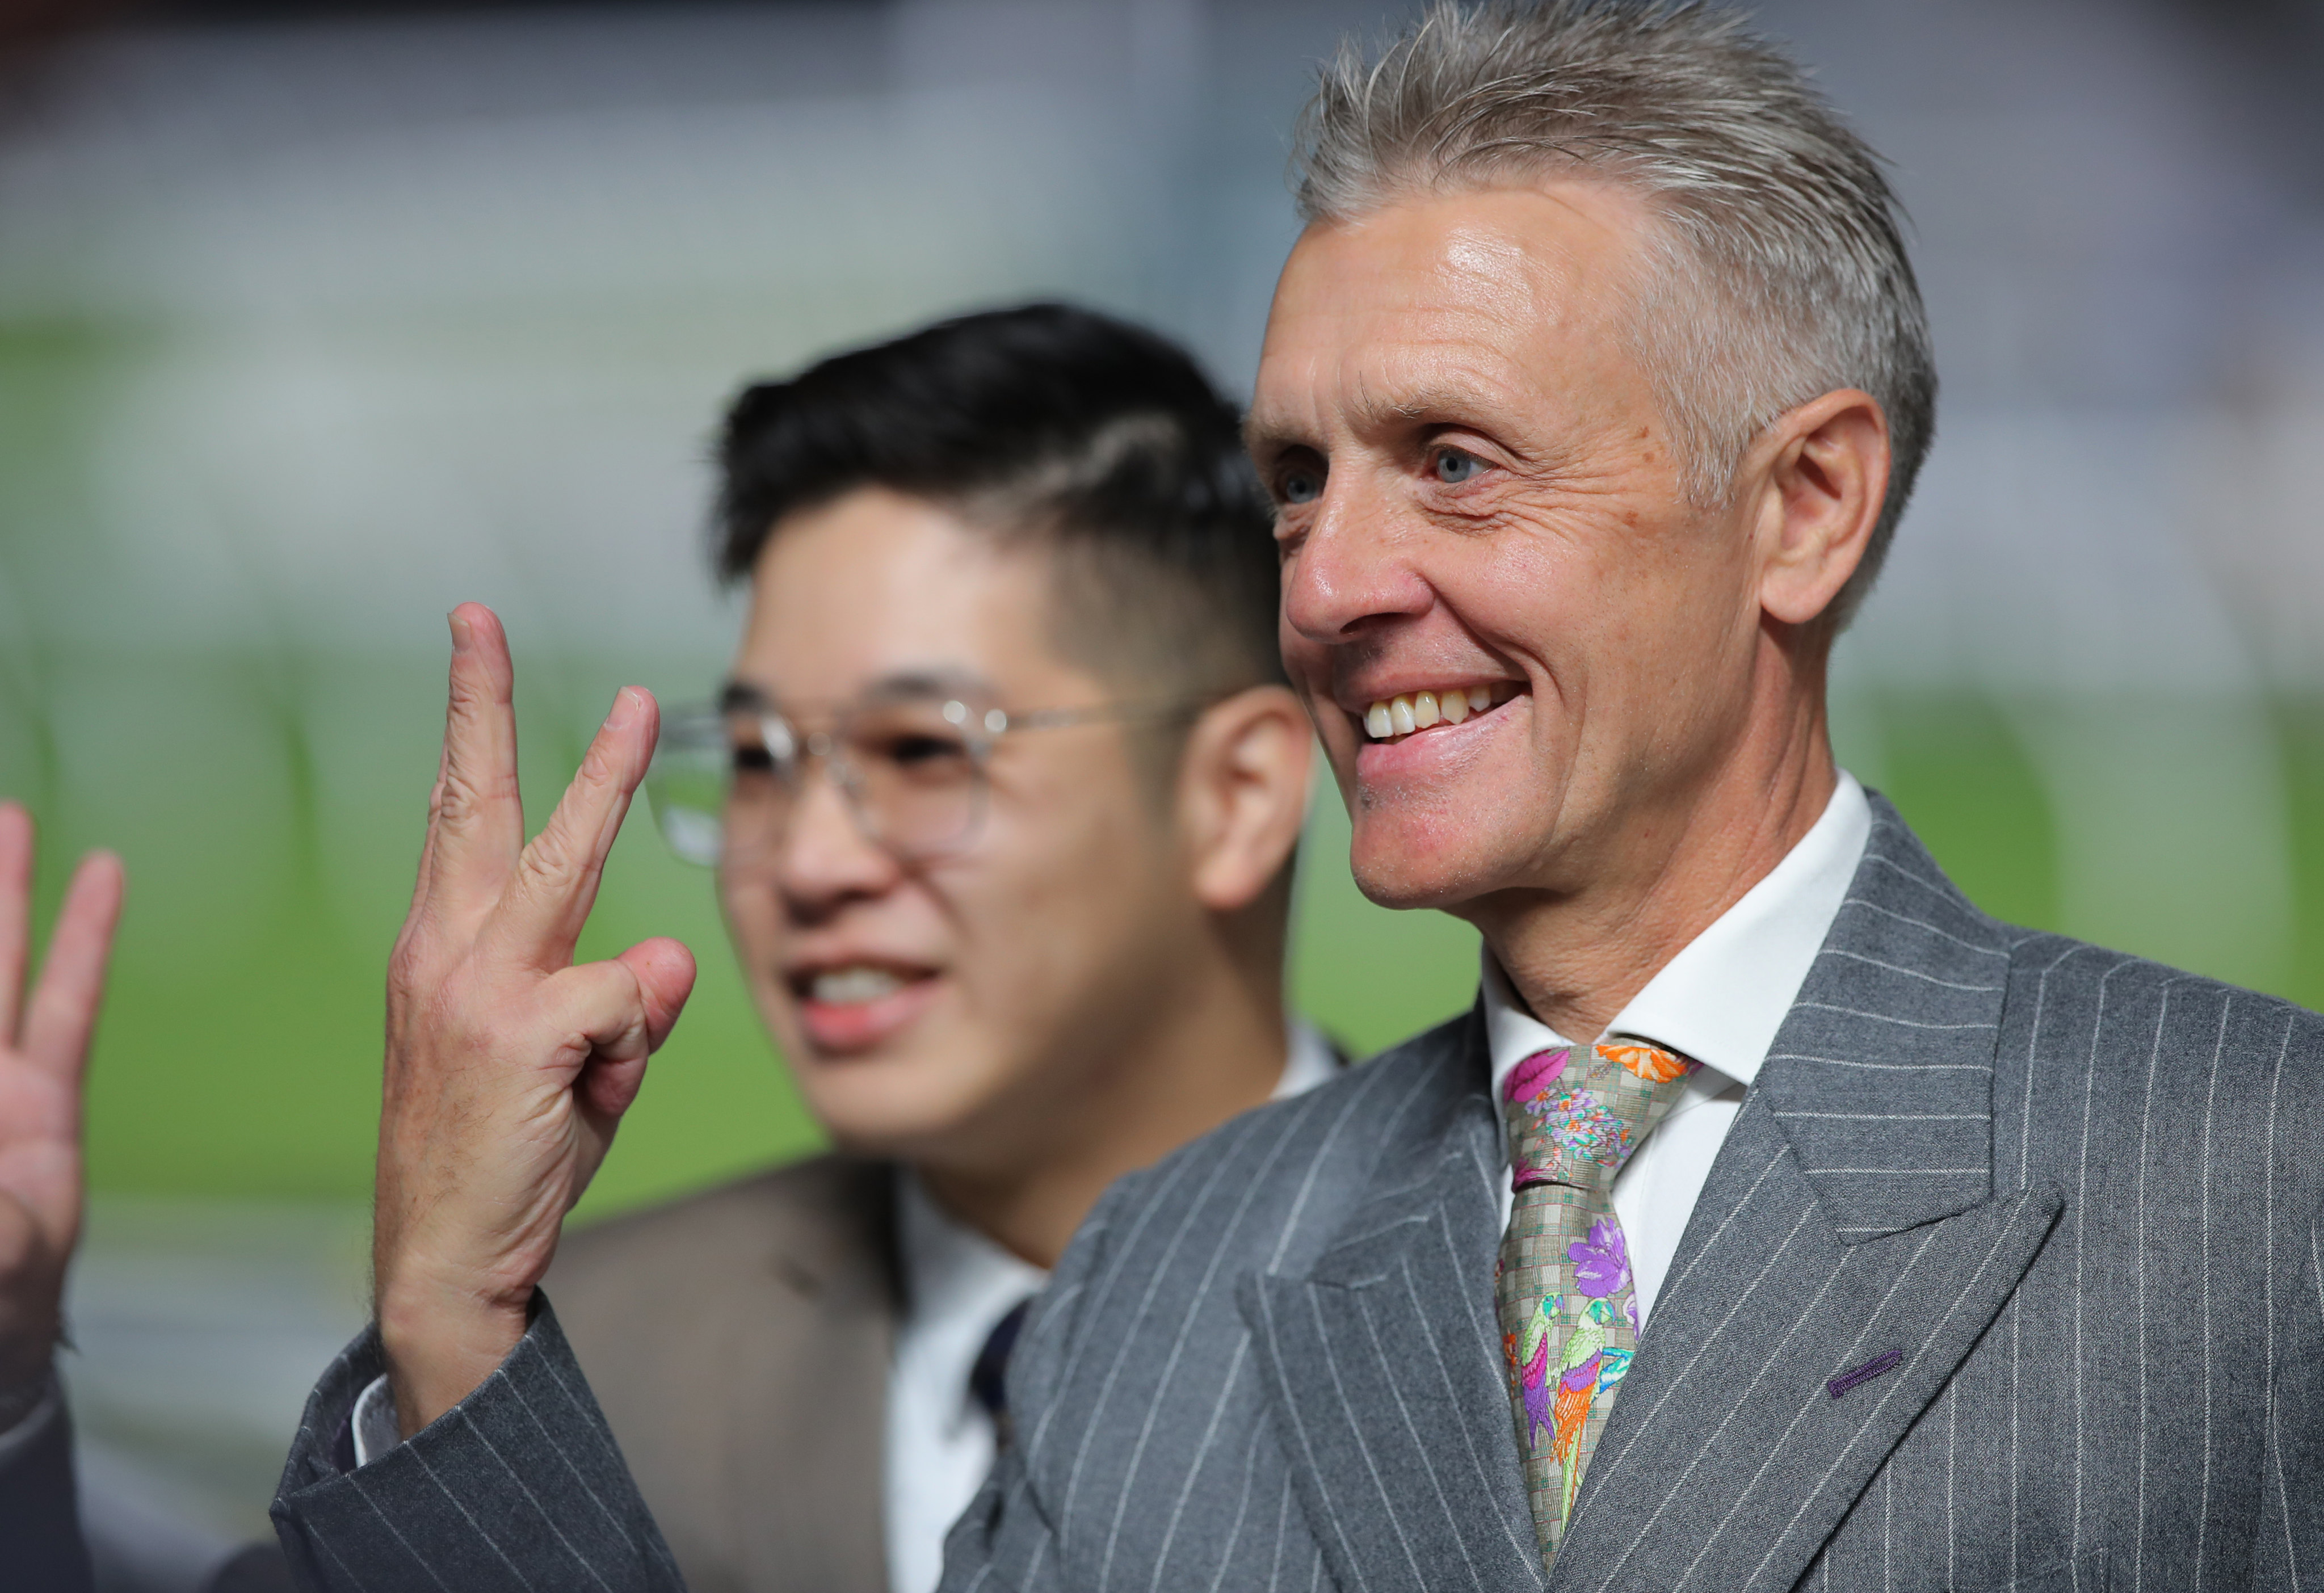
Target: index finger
[64, 1008]
[476, 825]
[15, 912]
[540, 916]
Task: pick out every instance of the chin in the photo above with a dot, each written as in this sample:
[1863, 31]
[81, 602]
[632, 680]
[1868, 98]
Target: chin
[896, 1107]
[1406, 860]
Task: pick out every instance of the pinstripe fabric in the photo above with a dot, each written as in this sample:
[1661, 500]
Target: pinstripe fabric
[2078, 1195]
[519, 1488]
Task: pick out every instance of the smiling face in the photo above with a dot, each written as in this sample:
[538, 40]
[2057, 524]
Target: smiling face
[955, 1009]
[1528, 653]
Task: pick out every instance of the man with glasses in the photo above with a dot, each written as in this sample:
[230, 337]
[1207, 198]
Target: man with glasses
[1001, 794]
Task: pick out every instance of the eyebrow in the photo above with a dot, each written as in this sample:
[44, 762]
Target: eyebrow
[1436, 402]
[739, 693]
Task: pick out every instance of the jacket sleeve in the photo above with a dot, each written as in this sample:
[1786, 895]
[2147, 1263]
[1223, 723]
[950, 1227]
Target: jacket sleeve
[2289, 1553]
[520, 1487]
[39, 1512]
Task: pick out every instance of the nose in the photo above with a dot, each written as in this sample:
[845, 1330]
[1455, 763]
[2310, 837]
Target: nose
[823, 859]
[1349, 575]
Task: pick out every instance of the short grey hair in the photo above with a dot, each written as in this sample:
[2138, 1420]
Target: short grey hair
[1782, 274]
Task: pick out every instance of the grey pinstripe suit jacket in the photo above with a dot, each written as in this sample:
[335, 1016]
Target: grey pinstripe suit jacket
[2079, 1194]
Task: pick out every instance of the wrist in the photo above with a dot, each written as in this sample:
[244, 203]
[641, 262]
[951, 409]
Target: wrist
[440, 1345]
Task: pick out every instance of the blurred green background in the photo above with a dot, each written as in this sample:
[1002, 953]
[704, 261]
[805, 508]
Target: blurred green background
[318, 316]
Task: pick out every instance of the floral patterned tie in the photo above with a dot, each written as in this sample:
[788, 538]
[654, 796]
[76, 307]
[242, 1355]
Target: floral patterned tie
[1569, 1312]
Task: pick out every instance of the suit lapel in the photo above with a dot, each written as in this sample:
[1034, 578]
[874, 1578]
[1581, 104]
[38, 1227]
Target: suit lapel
[1382, 1367]
[1778, 1372]
[1847, 1252]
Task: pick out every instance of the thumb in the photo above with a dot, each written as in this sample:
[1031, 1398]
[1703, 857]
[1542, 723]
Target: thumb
[664, 970]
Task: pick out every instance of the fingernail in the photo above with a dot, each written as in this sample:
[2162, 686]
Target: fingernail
[462, 633]
[625, 710]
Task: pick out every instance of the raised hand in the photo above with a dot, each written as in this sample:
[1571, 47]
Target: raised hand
[43, 1057]
[508, 1067]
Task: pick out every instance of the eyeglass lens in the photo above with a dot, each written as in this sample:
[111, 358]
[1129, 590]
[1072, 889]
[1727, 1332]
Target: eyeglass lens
[910, 769]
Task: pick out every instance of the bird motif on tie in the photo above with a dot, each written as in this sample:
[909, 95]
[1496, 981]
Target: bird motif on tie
[1568, 1307]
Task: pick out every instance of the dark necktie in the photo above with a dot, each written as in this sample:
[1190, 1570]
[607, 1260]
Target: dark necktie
[988, 1378]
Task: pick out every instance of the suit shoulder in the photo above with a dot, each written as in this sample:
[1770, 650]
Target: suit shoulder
[823, 1203]
[1353, 1109]
[2068, 967]
[1280, 1177]
[2157, 1044]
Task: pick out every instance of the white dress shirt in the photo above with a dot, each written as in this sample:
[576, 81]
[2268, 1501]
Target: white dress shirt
[958, 1286]
[1720, 1001]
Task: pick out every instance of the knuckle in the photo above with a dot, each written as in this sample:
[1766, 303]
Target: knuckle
[458, 798]
[546, 862]
[472, 688]
[454, 802]
[407, 965]
[599, 765]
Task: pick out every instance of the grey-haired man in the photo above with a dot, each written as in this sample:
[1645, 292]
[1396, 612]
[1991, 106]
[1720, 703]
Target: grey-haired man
[1778, 1219]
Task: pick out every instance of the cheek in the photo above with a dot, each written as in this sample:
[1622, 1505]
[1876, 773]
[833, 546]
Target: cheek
[1054, 907]
[1307, 663]
[754, 924]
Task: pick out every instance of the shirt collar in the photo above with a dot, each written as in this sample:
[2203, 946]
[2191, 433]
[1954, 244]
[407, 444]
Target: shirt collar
[1308, 1061]
[1722, 998]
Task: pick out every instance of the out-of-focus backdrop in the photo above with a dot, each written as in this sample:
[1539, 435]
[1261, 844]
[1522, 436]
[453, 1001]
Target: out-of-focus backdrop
[316, 319]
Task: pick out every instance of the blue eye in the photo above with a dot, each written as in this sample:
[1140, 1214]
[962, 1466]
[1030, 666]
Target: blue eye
[1453, 467]
[1301, 486]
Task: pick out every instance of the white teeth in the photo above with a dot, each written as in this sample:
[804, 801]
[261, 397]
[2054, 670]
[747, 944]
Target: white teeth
[1400, 715]
[852, 987]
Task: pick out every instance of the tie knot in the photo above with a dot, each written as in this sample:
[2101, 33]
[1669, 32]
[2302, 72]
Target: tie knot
[1575, 1114]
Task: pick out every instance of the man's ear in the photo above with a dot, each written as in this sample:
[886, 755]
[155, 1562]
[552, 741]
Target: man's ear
[1243, 793]
[1824, 470]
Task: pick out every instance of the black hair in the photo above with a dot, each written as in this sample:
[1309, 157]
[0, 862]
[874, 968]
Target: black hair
[1096, 439]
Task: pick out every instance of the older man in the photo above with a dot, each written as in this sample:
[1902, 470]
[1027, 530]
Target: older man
[1778, 1219]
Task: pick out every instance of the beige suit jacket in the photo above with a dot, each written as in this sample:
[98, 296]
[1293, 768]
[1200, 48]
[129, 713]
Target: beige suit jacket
[738, 1342]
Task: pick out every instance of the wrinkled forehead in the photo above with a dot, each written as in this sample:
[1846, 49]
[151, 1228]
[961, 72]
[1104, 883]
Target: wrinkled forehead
[1507, 287]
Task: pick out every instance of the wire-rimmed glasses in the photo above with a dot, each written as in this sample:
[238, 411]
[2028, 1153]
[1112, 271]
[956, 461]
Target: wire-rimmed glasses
[909, 759]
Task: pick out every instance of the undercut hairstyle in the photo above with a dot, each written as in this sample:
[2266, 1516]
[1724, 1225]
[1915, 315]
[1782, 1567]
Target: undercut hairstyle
[1778, 270]
[1097, 442]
